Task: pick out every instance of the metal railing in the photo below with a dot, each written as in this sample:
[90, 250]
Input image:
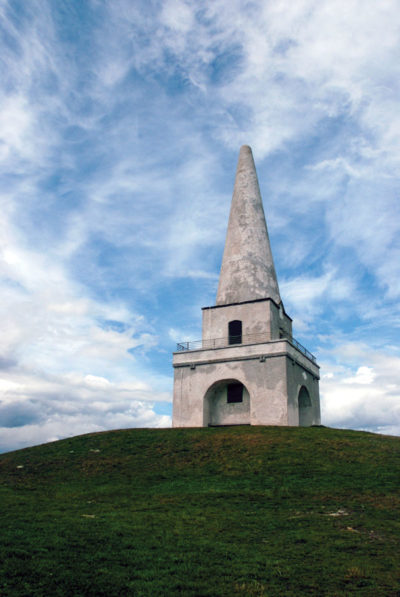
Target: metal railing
[302, 349]
[245, 339]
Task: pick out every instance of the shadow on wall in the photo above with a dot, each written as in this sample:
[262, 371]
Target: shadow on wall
[306, 417]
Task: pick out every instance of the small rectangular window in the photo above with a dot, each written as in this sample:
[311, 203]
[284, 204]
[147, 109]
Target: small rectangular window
[235, 332]
[235, 393]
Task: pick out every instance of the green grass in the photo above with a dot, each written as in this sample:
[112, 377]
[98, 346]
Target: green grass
[224, 511]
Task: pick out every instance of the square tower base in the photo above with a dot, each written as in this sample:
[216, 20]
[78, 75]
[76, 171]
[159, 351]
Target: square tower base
[279, 386]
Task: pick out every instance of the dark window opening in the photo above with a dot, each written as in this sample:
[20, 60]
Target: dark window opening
[235, 393]
[235, 332]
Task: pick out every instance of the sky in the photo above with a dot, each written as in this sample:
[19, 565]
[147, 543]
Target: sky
[120, 127]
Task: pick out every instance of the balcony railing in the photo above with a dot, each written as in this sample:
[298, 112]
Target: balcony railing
[245, 339]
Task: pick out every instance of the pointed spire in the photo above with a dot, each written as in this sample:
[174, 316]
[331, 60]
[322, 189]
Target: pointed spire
[247, 271]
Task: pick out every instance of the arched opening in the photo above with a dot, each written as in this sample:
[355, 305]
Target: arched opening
[227, 402]
[235, 332]
[305, 408]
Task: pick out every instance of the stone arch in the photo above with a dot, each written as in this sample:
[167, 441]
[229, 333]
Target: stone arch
[305, 408]
[217, 409]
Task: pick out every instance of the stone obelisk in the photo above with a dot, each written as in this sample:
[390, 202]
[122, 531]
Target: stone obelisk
[247, 271]
[247, 369]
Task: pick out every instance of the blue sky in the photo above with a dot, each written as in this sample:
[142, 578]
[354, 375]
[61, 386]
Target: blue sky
[120, 127]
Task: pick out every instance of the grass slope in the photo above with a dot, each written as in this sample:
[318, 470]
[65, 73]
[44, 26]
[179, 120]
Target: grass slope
[223, 511]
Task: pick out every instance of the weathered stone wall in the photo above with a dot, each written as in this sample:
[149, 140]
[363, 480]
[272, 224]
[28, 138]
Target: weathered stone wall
[279, 321]
[255, 318]
[297, 377]
[265, 383]
[264, 369]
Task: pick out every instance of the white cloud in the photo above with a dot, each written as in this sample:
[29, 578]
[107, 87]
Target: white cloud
[367, 399]
[364, 376]
[15, 124]
[307, 297]
[177, 15]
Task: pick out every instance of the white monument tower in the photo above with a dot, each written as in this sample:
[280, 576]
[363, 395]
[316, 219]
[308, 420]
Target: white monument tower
[247, 369]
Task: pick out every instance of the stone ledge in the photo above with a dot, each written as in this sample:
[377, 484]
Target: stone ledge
[261, 356]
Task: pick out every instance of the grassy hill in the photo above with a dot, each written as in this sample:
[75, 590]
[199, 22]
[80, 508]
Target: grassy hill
[222, 511]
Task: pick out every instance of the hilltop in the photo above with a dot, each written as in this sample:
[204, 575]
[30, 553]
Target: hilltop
[214, 511]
